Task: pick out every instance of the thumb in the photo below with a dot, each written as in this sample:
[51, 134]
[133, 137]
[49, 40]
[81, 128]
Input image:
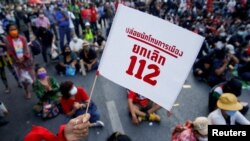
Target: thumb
[86, 117]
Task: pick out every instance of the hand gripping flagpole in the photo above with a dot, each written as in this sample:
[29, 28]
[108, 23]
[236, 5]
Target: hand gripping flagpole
[92, 90]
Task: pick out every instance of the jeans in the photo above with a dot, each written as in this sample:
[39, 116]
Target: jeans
[94, 114]
[245, 76]
[64, 30]
[76, 24]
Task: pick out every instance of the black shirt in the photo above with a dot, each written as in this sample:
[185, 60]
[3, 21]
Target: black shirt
[89, 57]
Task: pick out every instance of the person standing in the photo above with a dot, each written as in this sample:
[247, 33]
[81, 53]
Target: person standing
[62, 19]
[5, 60]
[22, 58]
[44, 34]
[93, 17]
[74, 8]
[48, 12]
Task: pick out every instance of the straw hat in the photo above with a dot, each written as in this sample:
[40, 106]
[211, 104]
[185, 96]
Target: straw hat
[85, 44]
[201, 125]
[228, 101]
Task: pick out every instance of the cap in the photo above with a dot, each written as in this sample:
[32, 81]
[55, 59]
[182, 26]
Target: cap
[201, 125]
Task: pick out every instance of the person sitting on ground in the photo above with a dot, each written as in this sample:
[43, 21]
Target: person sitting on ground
[76, 43]
[220, 66]
[46, 89]
[233, 86]
[99, 42]
[88, 57]
[67, 59]
[74, 103]
[228, 112]
[202, 68]
[74, 130]
[142, 108]
[192, 131]
[244, 72]
[117, 136]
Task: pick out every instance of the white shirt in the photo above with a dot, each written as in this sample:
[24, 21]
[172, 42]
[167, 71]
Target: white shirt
[18, 45]
[71, 18]
[1, 27]
[76, 44]
[216, 118]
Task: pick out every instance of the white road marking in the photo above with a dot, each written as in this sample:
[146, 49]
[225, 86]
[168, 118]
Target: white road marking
[114, 117]
[187, 86]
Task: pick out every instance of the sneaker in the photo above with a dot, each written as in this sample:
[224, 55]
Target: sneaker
[154, 117]
[98, 124]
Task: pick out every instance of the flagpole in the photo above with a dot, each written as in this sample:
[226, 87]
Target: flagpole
[91, 92]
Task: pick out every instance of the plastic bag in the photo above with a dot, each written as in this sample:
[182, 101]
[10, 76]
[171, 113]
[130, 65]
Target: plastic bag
[54, 51]
[70, 71]
[25, 77]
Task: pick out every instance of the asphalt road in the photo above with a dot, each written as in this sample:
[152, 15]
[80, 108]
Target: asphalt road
[111, 100]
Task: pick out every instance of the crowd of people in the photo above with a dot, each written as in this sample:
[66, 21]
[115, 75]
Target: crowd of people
[30, 29]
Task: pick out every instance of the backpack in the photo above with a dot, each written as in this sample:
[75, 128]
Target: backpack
[49, 110]
[5, 23]
[35, 47]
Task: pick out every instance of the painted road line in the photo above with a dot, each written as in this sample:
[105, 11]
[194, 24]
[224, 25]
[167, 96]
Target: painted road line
[187, 86]
[114, 117]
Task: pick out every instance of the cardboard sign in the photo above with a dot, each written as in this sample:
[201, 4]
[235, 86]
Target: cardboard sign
[148, 55]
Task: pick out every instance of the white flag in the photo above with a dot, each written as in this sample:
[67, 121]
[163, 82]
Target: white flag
[148, 55]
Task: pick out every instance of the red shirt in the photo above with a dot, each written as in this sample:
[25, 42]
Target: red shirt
[39, 133]
[81, 96]
[85, 14]
[138, 99]
[93, 17]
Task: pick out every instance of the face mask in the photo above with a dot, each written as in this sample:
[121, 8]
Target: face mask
[42, 75]
[67, 53]
[75, 39]
[230, 113]
[240, 33]
[29, 10]
[41, 15]
[14, 33]
[73, 91]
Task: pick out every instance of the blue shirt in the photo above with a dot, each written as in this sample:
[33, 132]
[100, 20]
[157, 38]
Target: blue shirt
[62, 18]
